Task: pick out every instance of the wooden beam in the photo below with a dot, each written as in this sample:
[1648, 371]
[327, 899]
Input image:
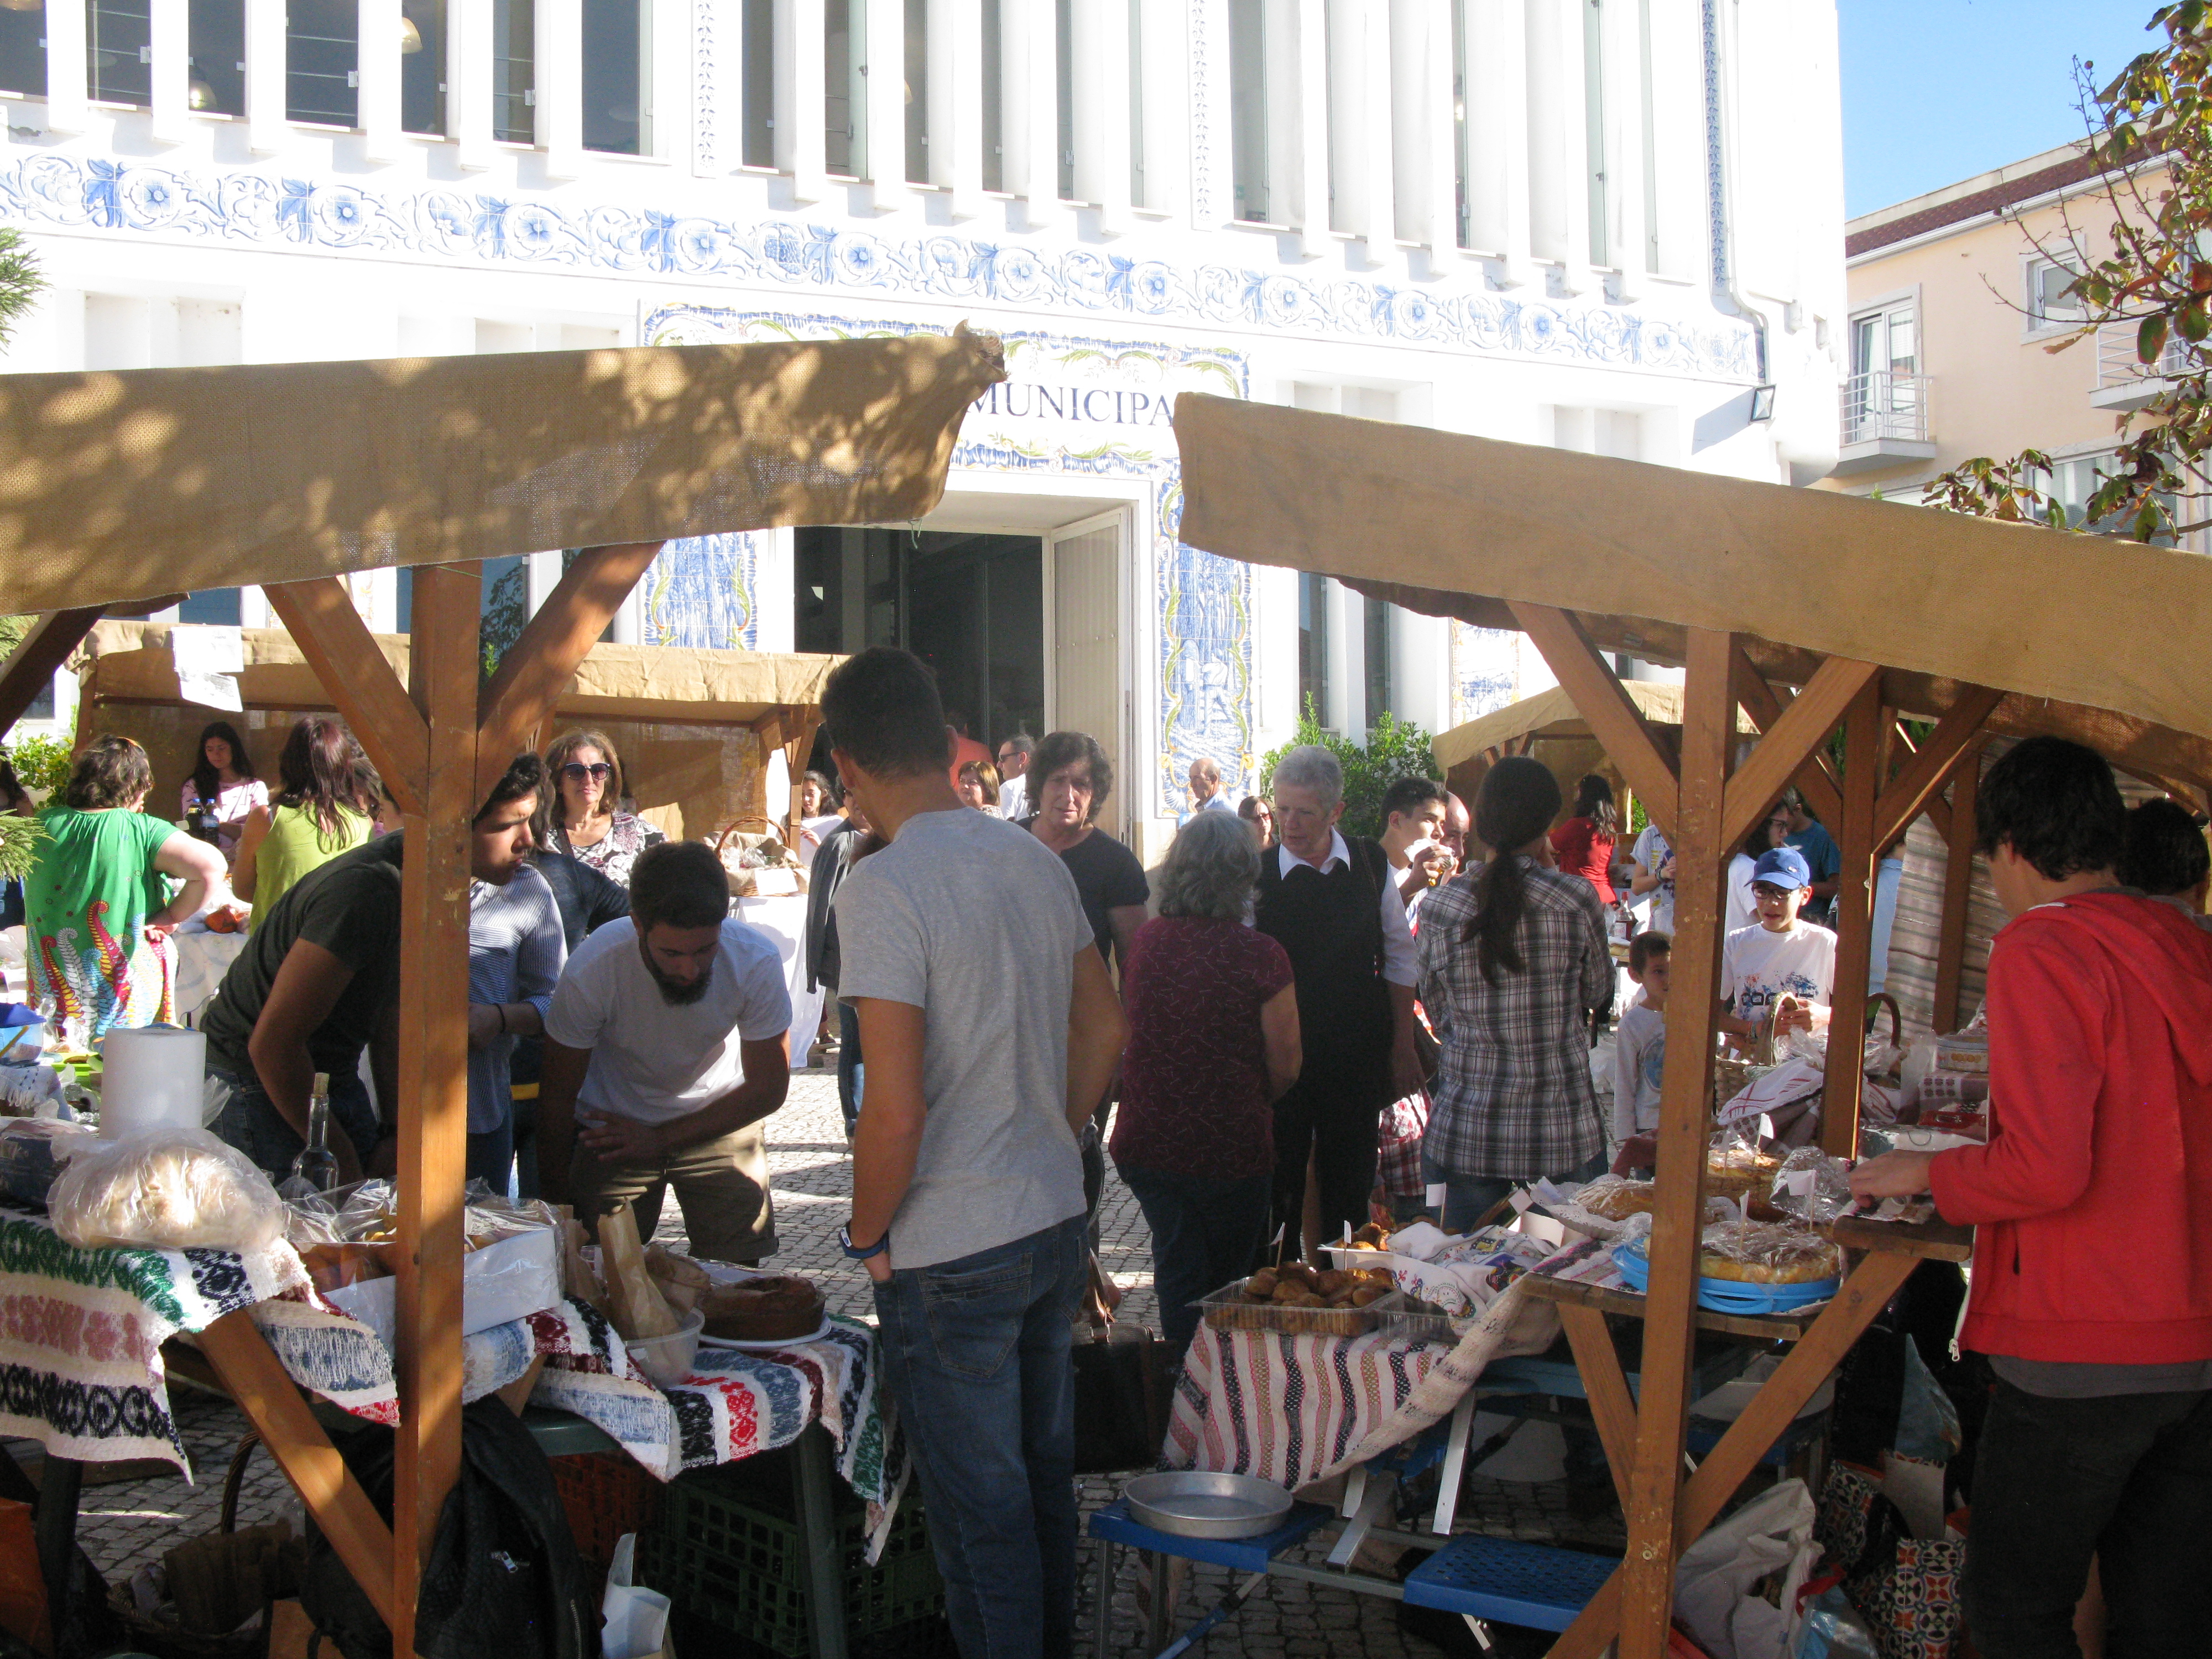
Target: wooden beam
[1916, 785]
[1701, 854]
[434, 1099]
[1817, 777]
[1958, 887]
[256, 1379]
[539, 665]
[320, 616]
[1784, 749]
[1802, 1370]
[31, 665]
[798, 743]
[1860, 847]
[1619, 725]
[1612, 1406]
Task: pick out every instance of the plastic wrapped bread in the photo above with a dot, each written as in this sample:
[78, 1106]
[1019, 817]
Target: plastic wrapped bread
[170, 1189]
[1767, 1253]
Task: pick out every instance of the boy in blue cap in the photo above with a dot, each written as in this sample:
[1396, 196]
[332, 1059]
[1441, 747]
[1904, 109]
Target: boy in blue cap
[1782, 967]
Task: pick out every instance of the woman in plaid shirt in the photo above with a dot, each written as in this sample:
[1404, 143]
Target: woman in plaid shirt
[1513, 962]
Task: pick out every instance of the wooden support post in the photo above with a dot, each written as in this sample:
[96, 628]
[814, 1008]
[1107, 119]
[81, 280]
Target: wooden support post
[257, 1380]
[1701, 852]
[30, 666]
[320, 618]
[1606, 1386]
[433, 1101]
[799, 726]
[1786, 747]
[1614, 720]
[1840, 1100]
[1958, 889]
[544, 657]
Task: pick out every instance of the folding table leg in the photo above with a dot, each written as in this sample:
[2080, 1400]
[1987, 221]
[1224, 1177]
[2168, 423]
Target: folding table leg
[1375, 1501]
[1162, 1615]
[1454, 1464]
[1101, 1612]
[53, 1524]
[811, 1477]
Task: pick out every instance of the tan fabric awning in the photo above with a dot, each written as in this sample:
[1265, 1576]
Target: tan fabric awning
[687, 723]
[1453, 524]
[119, 486]
[1552, 714]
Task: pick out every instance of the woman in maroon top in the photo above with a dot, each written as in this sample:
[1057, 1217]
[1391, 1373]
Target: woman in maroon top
[1213, 1039]
[1583, 843]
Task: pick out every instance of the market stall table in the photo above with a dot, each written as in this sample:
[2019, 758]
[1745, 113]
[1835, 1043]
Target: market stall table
[88, 1338]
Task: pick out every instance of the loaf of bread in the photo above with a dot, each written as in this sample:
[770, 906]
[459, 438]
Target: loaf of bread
[1770, 1253]
[778, 1308]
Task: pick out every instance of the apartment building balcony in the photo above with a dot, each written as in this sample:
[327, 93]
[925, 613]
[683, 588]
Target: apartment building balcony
[1885, 422]
[2124, 382]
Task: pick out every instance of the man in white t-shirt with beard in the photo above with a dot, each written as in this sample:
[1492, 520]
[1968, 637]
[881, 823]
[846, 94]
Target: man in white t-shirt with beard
[1780, 961]
[667, 1045]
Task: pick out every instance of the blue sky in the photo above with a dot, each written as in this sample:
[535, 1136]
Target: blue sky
[1938, 90]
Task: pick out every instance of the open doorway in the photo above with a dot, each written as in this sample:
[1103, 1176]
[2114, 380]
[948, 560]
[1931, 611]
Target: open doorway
[971, 605]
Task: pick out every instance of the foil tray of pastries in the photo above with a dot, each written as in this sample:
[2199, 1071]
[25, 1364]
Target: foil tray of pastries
[1303, 1300]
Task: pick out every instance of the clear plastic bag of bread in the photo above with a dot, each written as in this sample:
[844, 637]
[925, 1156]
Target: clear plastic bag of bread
[1811, 1187]
[1767, 1253]
[1616, 1198]
[174, 1189]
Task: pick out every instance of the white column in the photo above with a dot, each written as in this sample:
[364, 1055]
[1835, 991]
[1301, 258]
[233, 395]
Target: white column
[173, 74]
[1675, 181]
[1626, 161]
[1169, 38]
[1039, 180]
[955, 103]
[266, 125]
[380, 78]
[1205, 125]
[799, 92]
[1379, 220]
[1420, 670]
[1343, 116]
[560, 109]
[1554, 75]
[1346, 689]
[886, 79]
[1497, 75]
[469, 81]
[1423, 170]
[1306, 113]
[1100, 84]
[774, 555]
[67, 103]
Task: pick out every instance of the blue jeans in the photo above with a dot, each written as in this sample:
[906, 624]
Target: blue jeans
[252, 1122]
[1204, 1231]
[1468, 1198]
[975, 1353]
[849, 1070]
[491, 1155]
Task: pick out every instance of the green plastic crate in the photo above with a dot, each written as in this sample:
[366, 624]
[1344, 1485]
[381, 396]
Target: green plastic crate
[727, 1550]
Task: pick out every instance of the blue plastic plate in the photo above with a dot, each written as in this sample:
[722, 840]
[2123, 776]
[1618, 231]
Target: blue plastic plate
[1729, 1295]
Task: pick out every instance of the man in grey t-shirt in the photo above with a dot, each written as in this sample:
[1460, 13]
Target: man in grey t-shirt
[990, 1027]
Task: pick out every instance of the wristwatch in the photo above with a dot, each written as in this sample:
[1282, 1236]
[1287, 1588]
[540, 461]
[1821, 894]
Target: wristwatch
[854, 1252]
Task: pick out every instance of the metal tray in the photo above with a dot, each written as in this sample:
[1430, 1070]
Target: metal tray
[1194, 1503]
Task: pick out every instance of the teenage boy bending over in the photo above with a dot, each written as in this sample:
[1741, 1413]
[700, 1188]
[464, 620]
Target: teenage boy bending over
[2092, 1205]
[991, 1030]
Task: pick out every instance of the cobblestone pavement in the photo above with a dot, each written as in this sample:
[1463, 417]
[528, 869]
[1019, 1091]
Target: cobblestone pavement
[132, 1524]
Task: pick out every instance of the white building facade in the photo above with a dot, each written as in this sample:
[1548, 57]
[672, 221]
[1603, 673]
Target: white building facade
[1601, 224]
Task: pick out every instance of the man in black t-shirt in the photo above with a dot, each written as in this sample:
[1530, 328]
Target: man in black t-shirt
[317, 982]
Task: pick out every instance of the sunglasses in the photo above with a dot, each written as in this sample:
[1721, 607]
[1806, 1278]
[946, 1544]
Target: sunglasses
[576, 771]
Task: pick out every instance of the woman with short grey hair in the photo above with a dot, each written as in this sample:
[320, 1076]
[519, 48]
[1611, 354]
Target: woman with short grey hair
[1213, 1039]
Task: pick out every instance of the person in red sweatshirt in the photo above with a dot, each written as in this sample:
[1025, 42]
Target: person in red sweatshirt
[2092, 1206]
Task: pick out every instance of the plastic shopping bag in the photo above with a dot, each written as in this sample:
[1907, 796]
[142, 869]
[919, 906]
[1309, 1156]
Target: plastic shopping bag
[1722, 1583]
[633, 1620]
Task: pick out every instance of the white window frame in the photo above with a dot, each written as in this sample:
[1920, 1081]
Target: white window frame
[2035, 324]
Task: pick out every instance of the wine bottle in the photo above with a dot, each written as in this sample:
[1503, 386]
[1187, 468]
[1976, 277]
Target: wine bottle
[317, 1165]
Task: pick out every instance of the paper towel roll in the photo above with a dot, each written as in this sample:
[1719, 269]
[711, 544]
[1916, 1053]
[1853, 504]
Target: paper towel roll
[154, 1077]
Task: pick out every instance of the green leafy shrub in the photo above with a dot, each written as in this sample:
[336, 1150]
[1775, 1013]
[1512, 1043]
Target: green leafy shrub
[1395, 749]
[41, 763]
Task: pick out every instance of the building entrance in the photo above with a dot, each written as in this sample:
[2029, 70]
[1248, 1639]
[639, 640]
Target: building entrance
[970, 605]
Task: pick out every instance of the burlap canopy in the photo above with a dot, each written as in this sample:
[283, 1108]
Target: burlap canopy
[121, 486]
[2096, 638]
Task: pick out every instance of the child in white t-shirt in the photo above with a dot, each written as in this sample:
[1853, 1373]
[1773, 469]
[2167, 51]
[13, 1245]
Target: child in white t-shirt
[1781, 969]
[1639, 1042]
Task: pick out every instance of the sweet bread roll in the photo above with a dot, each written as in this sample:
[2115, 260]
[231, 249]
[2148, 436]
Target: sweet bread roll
[1617, 1198]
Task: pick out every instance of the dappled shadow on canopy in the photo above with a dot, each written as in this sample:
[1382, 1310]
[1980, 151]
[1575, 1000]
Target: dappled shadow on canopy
[117, 486]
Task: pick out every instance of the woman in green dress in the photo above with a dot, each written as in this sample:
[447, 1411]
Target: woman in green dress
[98, 916]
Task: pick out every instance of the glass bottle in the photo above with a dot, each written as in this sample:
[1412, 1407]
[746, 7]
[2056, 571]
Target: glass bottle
[317, 1165]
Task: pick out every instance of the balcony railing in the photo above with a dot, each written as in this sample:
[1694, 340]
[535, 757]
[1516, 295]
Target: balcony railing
[2118, 366]
[1881, 404]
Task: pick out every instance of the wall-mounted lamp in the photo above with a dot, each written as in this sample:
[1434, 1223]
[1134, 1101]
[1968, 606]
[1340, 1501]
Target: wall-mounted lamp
[1762, 403]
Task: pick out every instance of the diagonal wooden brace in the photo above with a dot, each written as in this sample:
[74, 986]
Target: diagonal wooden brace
[320, 616]
[1784, 749]
[1630, 742]
[1913, 789]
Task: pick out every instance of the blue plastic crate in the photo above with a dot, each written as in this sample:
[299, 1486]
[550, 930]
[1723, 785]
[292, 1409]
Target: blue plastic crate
[1729, 1295]
[1538, 1585]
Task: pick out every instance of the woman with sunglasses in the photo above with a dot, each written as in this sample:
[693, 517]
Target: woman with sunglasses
[1255, 812]
[588, 823]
